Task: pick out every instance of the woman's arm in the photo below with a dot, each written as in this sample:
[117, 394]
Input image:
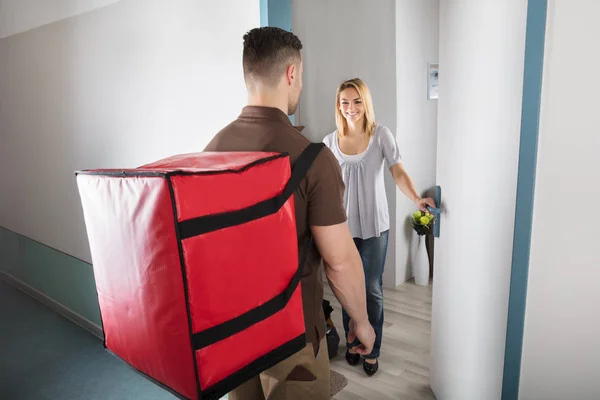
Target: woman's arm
[406, 186]
[391, 153]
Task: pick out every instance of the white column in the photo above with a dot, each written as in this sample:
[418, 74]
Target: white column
[481, 75]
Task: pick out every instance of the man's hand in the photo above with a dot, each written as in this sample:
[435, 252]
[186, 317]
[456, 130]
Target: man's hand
[423, 203]
[366, 336]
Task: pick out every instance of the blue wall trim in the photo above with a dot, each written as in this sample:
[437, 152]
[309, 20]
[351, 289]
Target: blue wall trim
[264, 12]
[65, 279]
[277, 13]
[530, 116]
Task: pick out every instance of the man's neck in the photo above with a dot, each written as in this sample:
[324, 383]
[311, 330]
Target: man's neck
[268, 100]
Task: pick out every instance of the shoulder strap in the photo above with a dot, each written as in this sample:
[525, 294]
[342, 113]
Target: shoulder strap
[301, 167]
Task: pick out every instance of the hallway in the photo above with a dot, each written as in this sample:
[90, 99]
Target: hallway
[44, 356]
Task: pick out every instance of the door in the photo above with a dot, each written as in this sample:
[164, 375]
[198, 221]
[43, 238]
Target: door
[479, 115]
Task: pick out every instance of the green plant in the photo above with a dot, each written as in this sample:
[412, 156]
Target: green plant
[422, 222]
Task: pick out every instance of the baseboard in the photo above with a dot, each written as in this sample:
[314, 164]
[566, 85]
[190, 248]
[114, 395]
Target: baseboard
[72, 316]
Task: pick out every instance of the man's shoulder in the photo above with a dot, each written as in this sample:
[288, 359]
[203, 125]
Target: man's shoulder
[326, 157]
[273, 136]
[325, 165]
[285, 138]
[219, 141]
[325, 190]
[259, 135]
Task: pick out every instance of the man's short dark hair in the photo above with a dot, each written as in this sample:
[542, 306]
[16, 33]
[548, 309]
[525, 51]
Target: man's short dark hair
[267, 52]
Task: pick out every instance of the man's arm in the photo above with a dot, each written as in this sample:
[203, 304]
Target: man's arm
[346, 277]
[343, 268]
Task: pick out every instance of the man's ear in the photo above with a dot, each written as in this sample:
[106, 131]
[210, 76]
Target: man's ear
[290, 74]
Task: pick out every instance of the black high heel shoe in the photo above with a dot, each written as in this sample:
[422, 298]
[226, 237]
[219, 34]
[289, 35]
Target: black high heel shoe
[369, 368]
[352, 359]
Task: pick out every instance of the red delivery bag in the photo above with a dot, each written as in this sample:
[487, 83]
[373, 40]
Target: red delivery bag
[197, 266]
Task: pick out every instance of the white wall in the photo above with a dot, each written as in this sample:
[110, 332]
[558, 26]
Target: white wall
[480, 93]
[344, 39]
[117, 87]
[21, 15]
[417, 43]
[561, 348]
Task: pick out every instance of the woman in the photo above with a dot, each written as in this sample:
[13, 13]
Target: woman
[363, 147]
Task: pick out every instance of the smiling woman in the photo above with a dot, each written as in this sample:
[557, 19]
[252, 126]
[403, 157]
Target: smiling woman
[362, 147]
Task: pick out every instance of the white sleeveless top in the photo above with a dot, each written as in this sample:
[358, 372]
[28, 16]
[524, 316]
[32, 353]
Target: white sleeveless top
[365, 199]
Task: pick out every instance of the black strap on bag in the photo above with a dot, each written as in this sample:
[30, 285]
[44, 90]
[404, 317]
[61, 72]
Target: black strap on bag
[209, 223]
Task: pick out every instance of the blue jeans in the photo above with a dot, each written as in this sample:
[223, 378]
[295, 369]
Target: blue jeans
[372, 252]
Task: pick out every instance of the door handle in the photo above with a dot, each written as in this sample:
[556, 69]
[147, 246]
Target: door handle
[437, 210]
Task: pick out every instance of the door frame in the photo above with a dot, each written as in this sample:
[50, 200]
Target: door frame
[530, 119]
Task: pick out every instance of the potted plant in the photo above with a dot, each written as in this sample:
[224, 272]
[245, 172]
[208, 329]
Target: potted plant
[422, 224]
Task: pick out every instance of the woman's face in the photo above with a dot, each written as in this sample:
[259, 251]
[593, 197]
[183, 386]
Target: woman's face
[351, 105]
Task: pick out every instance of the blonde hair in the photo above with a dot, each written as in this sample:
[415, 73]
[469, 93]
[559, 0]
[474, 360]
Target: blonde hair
[365, 96]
